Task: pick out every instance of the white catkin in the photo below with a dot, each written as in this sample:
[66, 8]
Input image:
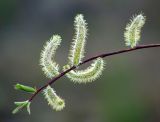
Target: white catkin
[50, 67]
[88, 75]
[53, 99]
[76, 53]
[133, 30]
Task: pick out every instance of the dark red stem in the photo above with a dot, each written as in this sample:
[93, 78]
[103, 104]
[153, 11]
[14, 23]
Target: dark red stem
[90, 59]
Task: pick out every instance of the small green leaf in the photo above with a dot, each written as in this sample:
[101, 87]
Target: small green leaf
[20, 105]
[25, 88]
[28, 108]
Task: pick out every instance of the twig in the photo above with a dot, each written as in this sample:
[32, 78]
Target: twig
[90, 59]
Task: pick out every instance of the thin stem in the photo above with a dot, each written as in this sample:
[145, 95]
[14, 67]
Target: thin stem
[90, 59]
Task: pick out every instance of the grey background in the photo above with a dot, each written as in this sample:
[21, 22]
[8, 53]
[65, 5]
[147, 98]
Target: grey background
[129, 89]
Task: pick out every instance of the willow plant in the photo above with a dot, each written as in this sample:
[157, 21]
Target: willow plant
[75, 59]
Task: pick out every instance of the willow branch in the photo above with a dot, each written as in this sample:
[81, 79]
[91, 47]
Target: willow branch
[90, 59]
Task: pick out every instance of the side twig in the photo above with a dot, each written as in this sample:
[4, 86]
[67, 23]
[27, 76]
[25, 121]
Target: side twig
[90, 59]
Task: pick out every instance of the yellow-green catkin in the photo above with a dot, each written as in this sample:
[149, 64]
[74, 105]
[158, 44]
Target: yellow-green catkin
[133, 30]
[53, 99]
[49, 66]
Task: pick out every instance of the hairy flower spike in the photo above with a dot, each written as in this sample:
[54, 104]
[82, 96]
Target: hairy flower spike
[77, 53]
[53, 99]
[77, 48]
[88, 75]
[50, 67]
[133, 30]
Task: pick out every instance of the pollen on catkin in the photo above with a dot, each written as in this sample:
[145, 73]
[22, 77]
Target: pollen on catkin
[88, 75]
[133, 30]
[76, 53]
[53, 99]
[50, 67]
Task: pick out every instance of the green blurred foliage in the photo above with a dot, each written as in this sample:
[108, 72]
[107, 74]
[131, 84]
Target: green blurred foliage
[7, 10]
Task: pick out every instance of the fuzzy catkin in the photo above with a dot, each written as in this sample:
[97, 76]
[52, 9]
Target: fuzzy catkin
[53, 99]
[76, 53]
[88, 75]
[49, 66]
[133, 30]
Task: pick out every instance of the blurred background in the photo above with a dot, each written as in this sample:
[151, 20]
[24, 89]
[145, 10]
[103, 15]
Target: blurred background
[129, 89]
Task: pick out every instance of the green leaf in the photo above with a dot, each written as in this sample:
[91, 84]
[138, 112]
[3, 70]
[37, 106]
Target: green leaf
[20, 106]
[25, 88]
[28, 108]
[19, 103]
